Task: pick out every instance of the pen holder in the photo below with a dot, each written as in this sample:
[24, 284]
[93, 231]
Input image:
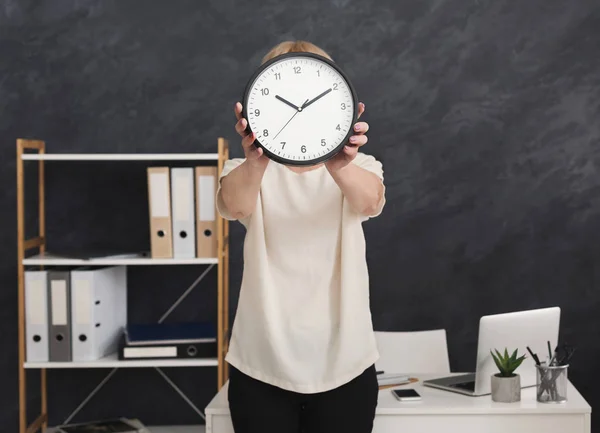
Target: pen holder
[552, 383]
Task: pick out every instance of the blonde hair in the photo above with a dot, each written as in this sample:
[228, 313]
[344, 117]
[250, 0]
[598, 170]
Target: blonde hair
[294, 47]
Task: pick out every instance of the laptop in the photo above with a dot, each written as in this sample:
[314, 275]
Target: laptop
[517, 330]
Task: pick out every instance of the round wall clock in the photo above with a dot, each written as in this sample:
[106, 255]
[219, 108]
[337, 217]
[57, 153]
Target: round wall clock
[302, 108]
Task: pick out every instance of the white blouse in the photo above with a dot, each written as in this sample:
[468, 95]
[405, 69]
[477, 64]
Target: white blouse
[303, 321]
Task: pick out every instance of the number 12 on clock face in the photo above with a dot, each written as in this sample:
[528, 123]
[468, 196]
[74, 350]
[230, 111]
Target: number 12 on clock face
[301, 107]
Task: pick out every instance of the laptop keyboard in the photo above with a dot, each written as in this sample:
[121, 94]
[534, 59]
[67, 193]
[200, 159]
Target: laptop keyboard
[469, 386]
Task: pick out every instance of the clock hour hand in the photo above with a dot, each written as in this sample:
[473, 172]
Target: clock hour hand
[285, 101]
[306, 104]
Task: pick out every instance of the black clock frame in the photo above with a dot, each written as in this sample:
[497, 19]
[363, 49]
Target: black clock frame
[294, 162]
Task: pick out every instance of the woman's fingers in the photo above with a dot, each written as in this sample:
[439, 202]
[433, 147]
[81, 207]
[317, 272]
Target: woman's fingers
[242, 123]
[351, 150]
[251, 151]
[248, 140]
[361, 109]
[361, 127]
[238, 110]
[241, 126]
[358, 140]
[258, 151]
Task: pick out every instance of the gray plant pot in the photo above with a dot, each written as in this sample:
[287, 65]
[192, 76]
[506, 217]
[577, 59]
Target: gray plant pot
[506, 389]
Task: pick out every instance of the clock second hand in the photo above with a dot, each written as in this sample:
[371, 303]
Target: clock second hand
[288, 121]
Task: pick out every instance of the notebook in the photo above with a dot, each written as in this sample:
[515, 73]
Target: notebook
[170, 333]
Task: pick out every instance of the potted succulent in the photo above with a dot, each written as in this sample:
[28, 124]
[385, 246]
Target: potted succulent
[506, 385]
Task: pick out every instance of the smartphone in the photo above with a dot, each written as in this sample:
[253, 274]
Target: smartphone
[406, 394]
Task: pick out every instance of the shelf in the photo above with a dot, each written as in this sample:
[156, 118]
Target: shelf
[164, 429]
[48, 260]
[112, 361]
[34, 252]
[120, 156]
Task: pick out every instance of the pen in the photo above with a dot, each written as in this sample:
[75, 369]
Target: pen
[534, 356]
[549, 353]
[379, 372]
[553, 359]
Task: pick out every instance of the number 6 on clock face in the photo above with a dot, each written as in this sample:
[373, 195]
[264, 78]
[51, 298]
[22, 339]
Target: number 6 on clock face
[302, 107]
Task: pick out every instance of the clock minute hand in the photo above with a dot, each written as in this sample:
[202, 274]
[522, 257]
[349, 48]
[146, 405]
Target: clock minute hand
[288, 103]
[306, 104]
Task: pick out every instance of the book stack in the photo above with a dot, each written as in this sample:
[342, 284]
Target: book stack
[169, 341]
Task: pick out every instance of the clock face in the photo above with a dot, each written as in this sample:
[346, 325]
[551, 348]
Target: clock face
[302, 108]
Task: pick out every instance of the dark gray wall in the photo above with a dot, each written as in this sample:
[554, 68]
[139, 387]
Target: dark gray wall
[484, 114]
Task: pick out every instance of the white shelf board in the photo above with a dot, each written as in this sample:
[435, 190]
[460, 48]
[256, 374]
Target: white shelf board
[164, 429]
[177, 429]
[48, 260]
[112, 361]
[120, 156]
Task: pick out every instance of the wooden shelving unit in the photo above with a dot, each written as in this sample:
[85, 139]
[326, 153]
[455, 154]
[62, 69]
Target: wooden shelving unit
[35, 150]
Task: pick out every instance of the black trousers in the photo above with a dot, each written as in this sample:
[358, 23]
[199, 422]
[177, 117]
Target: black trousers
[257, 407]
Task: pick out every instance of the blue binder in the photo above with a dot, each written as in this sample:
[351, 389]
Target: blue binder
[170, 333]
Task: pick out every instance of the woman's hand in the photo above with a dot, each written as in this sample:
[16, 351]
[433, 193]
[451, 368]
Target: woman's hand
[240, 188]
[348, 153]
[254, 155]
[362, 188]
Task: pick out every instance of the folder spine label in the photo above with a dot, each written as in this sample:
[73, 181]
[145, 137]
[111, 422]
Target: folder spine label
[36, 302]
[206, 192]
[181, 203]
[59, 302]
[82, 300]
[160, 195]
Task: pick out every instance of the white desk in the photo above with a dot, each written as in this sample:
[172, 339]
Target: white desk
[453, 413]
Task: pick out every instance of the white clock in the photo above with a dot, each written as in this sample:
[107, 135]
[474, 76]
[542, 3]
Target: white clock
[302, 108]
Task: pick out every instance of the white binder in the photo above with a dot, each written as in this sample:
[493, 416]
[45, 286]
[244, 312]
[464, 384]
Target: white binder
[206, 216]
[36, 316]
[98, 311]
[182, 213]
[159, 200]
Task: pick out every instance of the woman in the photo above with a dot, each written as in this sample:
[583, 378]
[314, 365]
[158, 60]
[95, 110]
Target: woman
[302, 350]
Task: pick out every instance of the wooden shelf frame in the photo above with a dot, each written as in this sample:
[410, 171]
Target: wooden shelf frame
[24, 148]
[121, 156]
